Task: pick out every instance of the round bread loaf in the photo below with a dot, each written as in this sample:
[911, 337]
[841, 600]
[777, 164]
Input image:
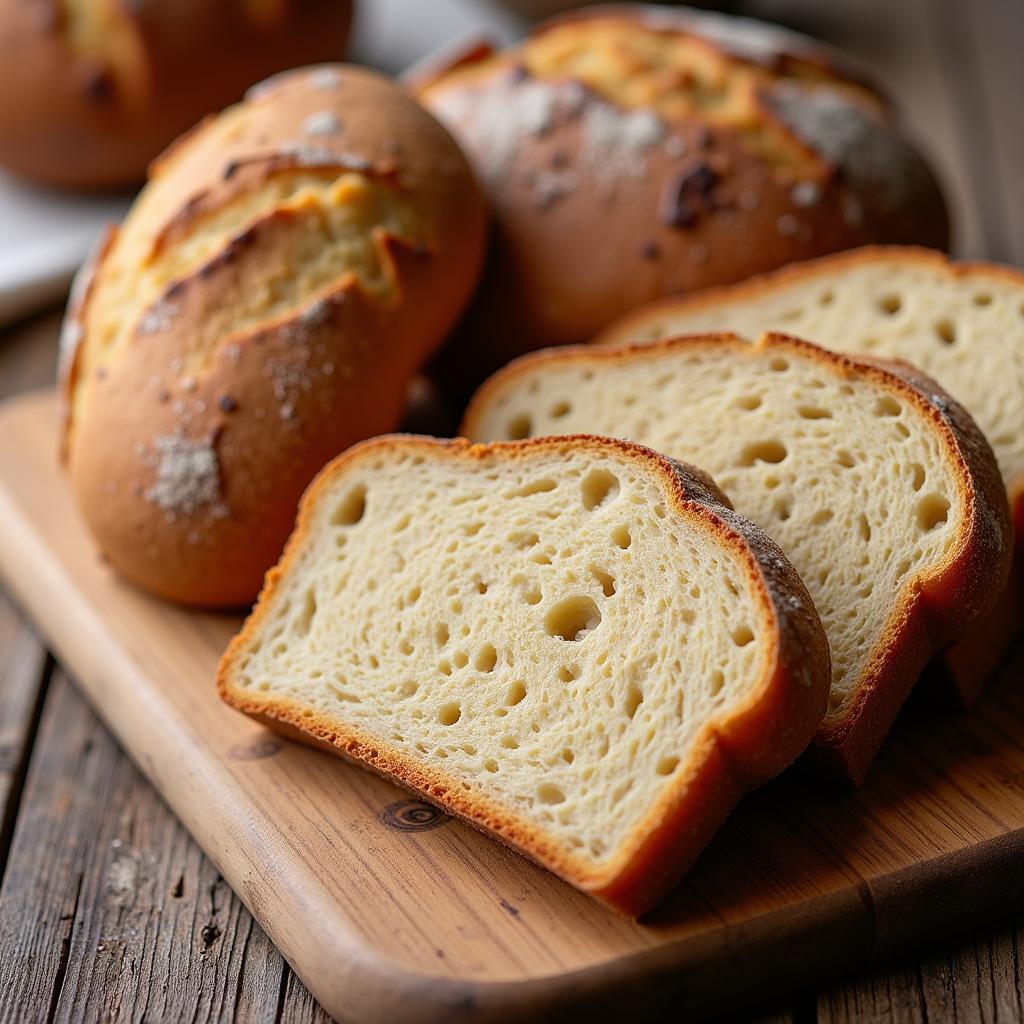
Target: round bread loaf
[633, 152]
[92, 90]
[287, 269]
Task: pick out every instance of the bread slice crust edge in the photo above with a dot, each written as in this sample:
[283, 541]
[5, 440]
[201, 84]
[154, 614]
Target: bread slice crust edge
[733, 752]
[934, 609]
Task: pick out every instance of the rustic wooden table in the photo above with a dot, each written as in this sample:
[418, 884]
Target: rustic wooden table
[109, 910]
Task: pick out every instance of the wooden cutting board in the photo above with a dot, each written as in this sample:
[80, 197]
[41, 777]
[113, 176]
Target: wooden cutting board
[389, 911]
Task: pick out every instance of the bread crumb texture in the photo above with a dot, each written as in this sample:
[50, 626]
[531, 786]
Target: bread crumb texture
[848, 475]
[964, 327]
[547, 633]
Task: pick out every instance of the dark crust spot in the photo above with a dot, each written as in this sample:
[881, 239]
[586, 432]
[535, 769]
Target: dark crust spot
[99, 86]
[227, 403]
[650, 250]
[687, 195]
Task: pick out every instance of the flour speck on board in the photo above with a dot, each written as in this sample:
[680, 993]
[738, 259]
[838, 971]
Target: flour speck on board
[868, 153]
[158, 318]
[325, 78]
[323, 122]
[187, 474]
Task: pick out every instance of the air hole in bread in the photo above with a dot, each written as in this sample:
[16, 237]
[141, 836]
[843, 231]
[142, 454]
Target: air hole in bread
[666, 765]
[890, 304]
[549, 793]
[778, 364]
[845, 459]
[826, 298]
[887, 406]
[408, 688]
[634, 698]
[519, 427]
[450, 713]
[444, 667]
[814, 412]
[932, 511]
[352, 507]
[822, 516]
[486, 659]
[945, 331]
[541, 486]
[491, 765]
[783, 509]
[716, 682]
[572, 618]
[863, 527]
[510, 742]
[304, 619]
[742, 635]
[763, 451]
[524, 539]
[749, 402]
[599, 488]
[621, 536]
[460, 659]
[567, 755]
[560, 409]
[982, 299]
[404, 647]
[606, 580]
[516, 693]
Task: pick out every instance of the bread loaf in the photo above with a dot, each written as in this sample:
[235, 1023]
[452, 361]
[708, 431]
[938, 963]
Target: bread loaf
[288, 268]
[92, 90]
[880, 489]
[570, 643]
[961, 323]
[632, 152]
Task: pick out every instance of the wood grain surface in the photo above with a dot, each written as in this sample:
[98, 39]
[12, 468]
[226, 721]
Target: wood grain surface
[389, 911]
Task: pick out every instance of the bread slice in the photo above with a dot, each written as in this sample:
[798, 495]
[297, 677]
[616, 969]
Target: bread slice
[570, 643]
[880, 488]
[961, 323]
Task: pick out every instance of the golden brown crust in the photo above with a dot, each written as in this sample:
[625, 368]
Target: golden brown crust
[733, 753]
[570, 252]
[91, 112]
[264, 405]
[933, 609]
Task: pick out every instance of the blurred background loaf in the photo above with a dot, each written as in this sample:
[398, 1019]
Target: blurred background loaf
[288, 268]
[92, 90]
[632, 152]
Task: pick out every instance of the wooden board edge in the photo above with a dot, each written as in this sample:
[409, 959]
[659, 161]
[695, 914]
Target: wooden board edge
[695, 976]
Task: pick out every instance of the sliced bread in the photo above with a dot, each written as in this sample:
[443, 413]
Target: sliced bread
[880, 489]
[571, 643]
[961, 323]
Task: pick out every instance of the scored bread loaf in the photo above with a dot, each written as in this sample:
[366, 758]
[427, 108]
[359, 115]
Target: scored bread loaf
[961, 323]
[633, 151]
[288, 268]
[570, 643]
[880, 489]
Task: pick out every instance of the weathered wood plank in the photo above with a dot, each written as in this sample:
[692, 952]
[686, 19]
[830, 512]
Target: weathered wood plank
[977, 980]
[109, 911]
[23, 671]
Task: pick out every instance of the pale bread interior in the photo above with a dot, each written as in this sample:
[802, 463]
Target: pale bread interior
[966, 331]
[853, 482]
[545, 631]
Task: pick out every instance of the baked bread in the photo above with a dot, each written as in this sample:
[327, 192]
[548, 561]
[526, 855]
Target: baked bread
[632, 152]
[880, 489]
[288, 268]
[570, 643]
[961, 323]
[92, 90]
